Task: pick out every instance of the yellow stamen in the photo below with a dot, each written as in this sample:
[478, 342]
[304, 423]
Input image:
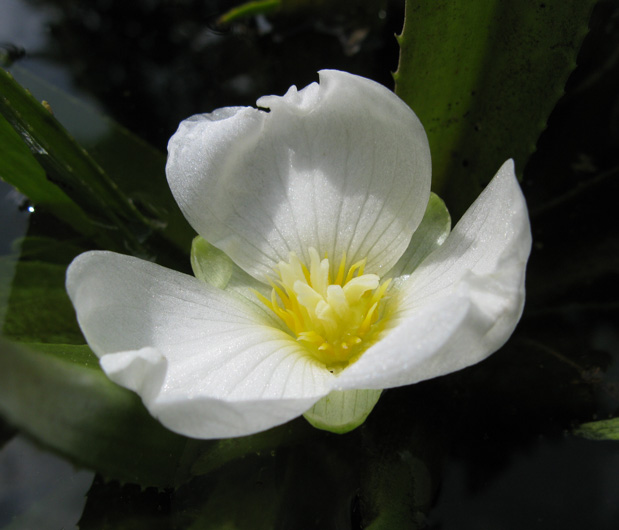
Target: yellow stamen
[341, 271]
[336, 321]
[358, 267]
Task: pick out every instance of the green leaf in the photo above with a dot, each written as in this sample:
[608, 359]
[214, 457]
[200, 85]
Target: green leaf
[114, 506]
[129, 212]
[136, 168]
[249, 9]
[300, 7]
[19, 168]
[599, 430]
[245, 495]
[221, 452]
[47, 249]
[395, 484]
[69, 166]
[38, 308]
[6, 433]
[58, 395]
[483, 77]
[402, 462]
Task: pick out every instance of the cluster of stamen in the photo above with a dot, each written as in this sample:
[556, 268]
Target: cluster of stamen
[337, 317]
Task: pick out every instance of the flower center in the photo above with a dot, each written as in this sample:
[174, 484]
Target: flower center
[337, 319]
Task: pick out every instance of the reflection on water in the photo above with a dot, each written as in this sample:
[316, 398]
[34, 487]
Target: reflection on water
[565, 484]
[38, 490]
[26, 26]
[14, 216]
[14, 213]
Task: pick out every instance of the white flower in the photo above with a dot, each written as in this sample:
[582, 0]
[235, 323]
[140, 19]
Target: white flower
[322, 281]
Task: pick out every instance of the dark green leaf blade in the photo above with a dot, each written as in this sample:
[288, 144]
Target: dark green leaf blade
[483, 77]
[38, 308]
[20, 169]
[228, 450]
[71, 168]
[58, 395]
[136, 167]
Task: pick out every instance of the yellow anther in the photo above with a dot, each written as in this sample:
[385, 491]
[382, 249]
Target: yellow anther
[337, 320]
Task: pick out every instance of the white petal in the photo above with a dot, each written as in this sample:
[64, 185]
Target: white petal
[342, 166]
[492, 242]
[205, 362]
[142, 371]
[464, 300]
[413, 350]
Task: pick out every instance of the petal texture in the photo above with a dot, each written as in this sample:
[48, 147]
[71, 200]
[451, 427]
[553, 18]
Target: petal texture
[342, 166]
[205, 362]
[463, 301]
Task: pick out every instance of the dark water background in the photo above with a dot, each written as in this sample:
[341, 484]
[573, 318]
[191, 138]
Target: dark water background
[510, 460]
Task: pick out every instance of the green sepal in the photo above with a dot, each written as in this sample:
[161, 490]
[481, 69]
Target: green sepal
[209, 264]
[430, 234]
[212, 266]
[342, 411]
